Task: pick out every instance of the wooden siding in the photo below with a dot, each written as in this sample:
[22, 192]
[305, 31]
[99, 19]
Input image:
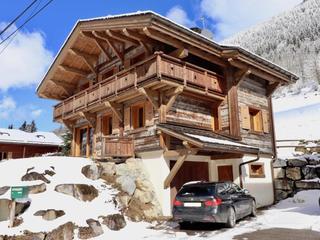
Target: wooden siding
[252, 93]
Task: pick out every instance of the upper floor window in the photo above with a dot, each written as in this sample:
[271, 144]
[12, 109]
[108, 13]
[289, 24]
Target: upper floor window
[107, 125]
[138, 116]
[255, 120]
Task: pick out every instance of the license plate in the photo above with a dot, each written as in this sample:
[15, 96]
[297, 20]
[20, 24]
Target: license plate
[192, 204]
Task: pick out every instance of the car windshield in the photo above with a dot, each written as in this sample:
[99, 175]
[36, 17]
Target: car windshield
[198, 191]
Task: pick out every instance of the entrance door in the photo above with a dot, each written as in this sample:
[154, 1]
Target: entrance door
[189, 171]
[225, 173]
[84, 141]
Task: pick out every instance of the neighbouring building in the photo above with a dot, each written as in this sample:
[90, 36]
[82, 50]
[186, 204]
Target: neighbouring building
[15, 143]
[191, 109]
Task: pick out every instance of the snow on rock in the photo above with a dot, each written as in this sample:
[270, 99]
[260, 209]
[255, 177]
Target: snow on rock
[67, 171]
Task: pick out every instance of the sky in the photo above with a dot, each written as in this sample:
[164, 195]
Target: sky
[25, 58]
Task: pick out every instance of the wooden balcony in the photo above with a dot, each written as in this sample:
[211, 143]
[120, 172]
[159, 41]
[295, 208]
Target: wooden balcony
[118, 147]
[157, 68]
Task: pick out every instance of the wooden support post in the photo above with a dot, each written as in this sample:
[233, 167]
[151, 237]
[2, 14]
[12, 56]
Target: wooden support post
[12, 213]
[175, 169]
[180, 53]
[271, 88]
[89, 59]
[150, 95]
[90, 117]
[114, 108]
[240, 75]
[173, 97]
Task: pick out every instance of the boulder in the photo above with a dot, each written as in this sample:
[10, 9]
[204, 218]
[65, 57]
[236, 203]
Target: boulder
[280, 195]
[293, 173]
[144, 196]
[309, 172]
[92, 231]
[279, 172]
[283, 184]
[144, 184]
[34, 176]
[114, 222]
[126, 184]
[123, 199]
[122, 170]
[279, 163]
[303, 185]
[49, 214]
[34, 189]
[5, 209]
[64, 232]
[3, 190]
[297, 162]
[313, 159]
[26, 236]
[92, 171]
[49, 172]
[108, 168]
[17, 222]
[81, 192]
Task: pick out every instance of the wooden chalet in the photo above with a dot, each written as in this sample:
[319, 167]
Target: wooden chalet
[191, 109]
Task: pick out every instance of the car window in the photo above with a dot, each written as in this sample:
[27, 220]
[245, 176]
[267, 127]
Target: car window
[226, 189]
[196, 191]
[236, 188]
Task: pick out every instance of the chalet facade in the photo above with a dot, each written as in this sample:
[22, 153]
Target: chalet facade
[15, 143]
[141, 85]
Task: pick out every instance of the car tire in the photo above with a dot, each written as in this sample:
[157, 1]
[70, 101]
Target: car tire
[253, 209]
[231, 220]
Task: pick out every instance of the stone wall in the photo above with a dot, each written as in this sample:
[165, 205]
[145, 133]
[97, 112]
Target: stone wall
[295, 174]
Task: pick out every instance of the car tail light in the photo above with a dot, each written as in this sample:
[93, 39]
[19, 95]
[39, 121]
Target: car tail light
[213, 203]
[177, 203]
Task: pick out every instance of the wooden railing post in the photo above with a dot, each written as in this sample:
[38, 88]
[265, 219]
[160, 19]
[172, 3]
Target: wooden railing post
[158, 65]
[184, 74]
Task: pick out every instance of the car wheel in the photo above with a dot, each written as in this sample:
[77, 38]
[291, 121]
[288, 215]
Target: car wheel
[231, 221]
[253, 209]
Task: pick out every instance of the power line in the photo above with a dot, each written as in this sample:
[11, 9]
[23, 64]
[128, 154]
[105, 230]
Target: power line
[14, 20]
[35, 14]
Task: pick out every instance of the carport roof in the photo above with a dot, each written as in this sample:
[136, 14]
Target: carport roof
[206, 140]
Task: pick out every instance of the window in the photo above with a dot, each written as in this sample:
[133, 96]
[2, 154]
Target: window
[255, 120]
[256, 170]
[215, 119]
[3, 155]
[138, 118]
[107, 125]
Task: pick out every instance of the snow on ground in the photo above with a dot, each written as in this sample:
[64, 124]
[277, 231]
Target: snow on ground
[68, 170]
[297, 116]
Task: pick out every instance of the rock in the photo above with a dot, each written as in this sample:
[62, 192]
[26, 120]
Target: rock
[49, 214]
[81, 192]
[64, 232]
[297, 162]
[3, 190]
[114, 222]
[37, 188]
[301, 185]
[108, 168]
[92, 231]
[144, 197]
[313, 159]
[123, 199]
[279, 163]
[283, 184]
[144, 184]
[152, 212]
[122, 170]
[17, 222]
[92, 171]
[127, 184]
[280, 195]
[34, 176]
[49, 172]
[293, 173]
[26, 236]
[309, 172]
[279, 172]
[5, 208]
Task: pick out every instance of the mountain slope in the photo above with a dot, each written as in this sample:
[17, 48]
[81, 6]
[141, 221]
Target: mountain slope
[291, 40]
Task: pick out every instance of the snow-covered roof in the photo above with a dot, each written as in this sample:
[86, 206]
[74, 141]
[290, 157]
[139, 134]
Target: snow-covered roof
[37, 138]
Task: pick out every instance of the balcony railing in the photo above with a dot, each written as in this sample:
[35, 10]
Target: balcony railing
[118, 147]
[159, 65]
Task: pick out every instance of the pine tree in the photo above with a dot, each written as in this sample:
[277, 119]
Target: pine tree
[10, 126]
[33, 127]
[67, 139]
[23, 126]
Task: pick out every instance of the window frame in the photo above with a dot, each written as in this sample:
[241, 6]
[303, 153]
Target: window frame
[256, 120]
[259, 175]
[109, 118]
[135, 120]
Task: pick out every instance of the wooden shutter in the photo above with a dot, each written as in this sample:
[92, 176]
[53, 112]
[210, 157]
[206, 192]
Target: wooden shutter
[149, 113]
[245, 115]
[115, 124]
[266, 122]
[127, 126]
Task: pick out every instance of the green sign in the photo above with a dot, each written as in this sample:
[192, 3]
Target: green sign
[19, 192]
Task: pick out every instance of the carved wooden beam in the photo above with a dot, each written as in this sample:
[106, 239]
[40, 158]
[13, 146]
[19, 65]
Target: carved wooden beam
[240, 75]
[142, 39]
[99, 43]
[65, 86]
[121, 37]
[114, 108]
[173, 97]
[180, 53]
[150, 95]
[111, 44]
[74, 70]
[90, 117]
[68, 124]
[88, 58]
[271, 88]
